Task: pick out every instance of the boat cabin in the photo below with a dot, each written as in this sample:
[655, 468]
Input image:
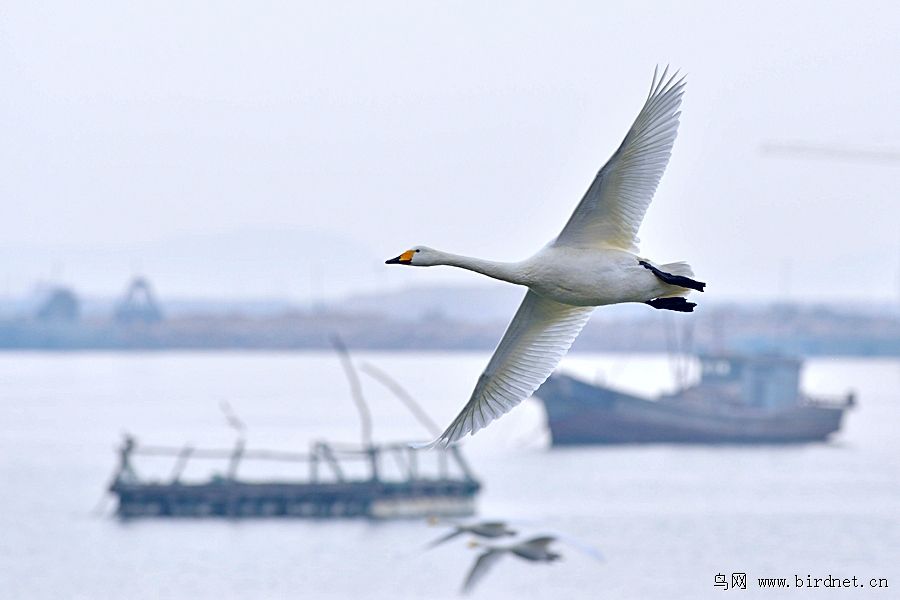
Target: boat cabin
[765, 381]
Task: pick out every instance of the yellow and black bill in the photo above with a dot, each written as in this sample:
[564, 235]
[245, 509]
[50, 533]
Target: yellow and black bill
[403, 259]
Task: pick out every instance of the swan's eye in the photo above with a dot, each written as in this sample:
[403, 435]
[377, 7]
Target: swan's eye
[418, 250]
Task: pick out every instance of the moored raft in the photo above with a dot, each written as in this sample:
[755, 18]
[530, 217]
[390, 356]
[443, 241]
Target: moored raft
[408, 490]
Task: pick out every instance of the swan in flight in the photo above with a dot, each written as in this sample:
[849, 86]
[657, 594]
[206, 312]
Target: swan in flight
[592, 262]
[535, 550]
[486, 529]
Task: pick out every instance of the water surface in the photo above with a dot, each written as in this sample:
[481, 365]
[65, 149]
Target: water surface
[668, 518]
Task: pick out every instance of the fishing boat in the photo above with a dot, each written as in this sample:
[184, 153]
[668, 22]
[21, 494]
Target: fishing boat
[739, 400]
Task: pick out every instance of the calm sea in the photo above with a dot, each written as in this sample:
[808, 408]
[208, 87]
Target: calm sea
[668, 519]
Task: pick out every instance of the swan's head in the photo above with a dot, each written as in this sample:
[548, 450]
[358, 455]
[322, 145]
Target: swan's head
[418, 256]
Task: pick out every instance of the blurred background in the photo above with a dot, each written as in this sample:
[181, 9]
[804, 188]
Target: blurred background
[196, 195]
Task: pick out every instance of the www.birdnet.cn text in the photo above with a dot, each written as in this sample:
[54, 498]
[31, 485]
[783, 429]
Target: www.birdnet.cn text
[740, 581]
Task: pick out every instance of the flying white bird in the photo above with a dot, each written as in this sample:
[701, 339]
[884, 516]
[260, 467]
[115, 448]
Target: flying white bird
[486, 529]
[593, 262]
[535, 550]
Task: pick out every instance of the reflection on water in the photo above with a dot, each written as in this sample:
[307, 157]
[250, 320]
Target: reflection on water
[667, 518]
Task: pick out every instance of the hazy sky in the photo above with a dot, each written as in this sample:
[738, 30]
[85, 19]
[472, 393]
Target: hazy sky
[474, 128]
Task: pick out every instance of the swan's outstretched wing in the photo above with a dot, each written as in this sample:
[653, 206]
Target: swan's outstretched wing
[614, 205]
[579, 545]
[537, 338]
[481, 567]
[445, 538]
[538, 544]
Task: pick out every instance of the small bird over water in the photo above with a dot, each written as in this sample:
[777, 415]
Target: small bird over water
[535, 550]
[485, 529]
[593, 262]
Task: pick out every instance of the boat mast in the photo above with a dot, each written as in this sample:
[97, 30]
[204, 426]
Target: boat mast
[414, 407]
[235, 423]
[365, 416]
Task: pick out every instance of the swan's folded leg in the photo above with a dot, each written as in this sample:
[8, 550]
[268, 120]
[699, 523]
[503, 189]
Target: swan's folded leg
[677, 304]
[679, 280]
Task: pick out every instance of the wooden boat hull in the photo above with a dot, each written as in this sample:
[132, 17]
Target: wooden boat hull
[579, 413]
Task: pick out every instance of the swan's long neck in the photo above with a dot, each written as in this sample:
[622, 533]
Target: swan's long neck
[510, 272]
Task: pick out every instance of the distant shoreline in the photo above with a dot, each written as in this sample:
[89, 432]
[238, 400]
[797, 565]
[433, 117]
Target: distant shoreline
[793, 330]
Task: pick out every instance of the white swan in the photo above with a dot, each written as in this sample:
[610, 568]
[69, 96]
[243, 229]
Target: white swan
[593, 262]
[535, 550]
[486, 529]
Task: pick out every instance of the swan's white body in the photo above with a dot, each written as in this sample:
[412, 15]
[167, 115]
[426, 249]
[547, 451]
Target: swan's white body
[593, 262]
[575, 276]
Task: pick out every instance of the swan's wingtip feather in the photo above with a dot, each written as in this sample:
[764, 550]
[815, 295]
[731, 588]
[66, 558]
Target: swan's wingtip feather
[423, 445]
[442, 442]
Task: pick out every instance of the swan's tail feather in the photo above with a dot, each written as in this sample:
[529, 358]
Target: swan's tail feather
[678, 268]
